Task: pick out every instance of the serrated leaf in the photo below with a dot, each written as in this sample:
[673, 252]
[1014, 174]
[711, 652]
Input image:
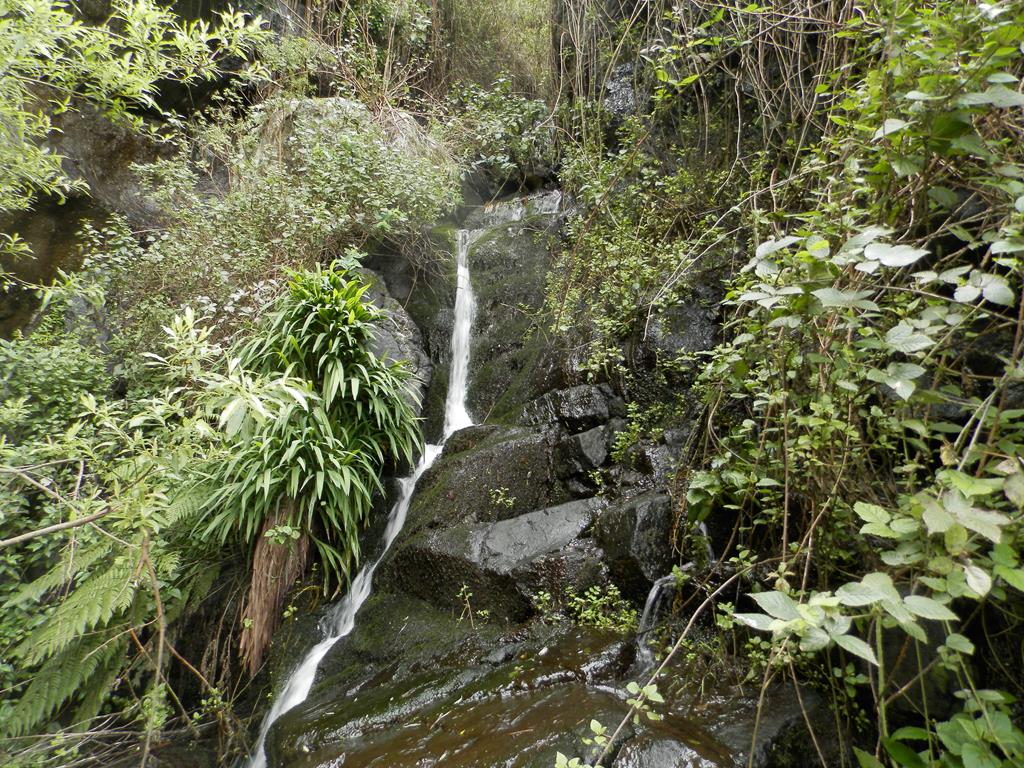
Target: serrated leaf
[871, 513]
[857, 647]
[831, 297]
[927, 608]
[777, 604]
[857, 594]
[903, 338]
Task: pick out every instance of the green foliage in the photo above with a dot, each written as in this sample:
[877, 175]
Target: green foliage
[320, 458]
[602, 607]
[148, 472]
[305, 181]
[861, 425]
[54, 60]
[642, 224]
[498, 132]
[875, 302]
[484, 42]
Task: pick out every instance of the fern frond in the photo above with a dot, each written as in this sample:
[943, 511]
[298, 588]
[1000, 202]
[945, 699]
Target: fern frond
[59, 575]
[61, 678]
[184, 507]
[99, 685]
[91, 605]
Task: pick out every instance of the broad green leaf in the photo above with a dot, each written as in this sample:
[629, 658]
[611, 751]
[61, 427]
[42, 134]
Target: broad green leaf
[892, 125]
[866, 759]
[976, 754]
[982, 521]
[902, 755]
[998, 291]
[959, 643]
[857, 594]
[978, 579]
[894, 255]
[857, 647]
[771, 246]
[831, 297]
[927, 608]
[1012, 576]
[777, 604]
[871, 513]
[756, 620]
[903, 338]
[935, 516]
[996, 96]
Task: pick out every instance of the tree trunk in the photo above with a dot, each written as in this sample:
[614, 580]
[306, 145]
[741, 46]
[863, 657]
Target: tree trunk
[275, 568]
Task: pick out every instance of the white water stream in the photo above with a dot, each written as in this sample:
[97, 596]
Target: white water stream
[456, 416]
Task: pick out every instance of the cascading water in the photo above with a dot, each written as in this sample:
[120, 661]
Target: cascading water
[456, 416]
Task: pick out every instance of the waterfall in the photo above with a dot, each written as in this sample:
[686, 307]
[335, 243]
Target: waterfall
[456, 416]
[664, 586]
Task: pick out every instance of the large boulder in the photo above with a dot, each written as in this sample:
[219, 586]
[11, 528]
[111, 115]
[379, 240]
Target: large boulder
[397, 339]
[101, 153]
[635, 535]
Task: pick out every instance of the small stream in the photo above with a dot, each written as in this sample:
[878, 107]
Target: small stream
[342, 617]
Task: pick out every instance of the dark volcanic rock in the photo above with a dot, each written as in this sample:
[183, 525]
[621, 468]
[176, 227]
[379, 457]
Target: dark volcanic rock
[635, 537]
[578, 408]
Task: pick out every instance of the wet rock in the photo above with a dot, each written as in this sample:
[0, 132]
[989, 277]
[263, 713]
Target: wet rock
[503, 563]
[456, 701]
[634, 535]
[582, 453]
[513, 362]
[691, 326]
[651, 752]
[398, 339]
[620, 94]
[778, 732]
[509, 258]
[102, 154]
[578, 408]
[488, 473]
[508, 544]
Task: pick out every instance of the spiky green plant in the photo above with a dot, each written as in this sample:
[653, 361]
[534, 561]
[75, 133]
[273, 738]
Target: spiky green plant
[318, 465]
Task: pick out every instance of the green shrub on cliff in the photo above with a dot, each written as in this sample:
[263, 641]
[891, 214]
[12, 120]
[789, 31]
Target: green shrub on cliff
[53, 61]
